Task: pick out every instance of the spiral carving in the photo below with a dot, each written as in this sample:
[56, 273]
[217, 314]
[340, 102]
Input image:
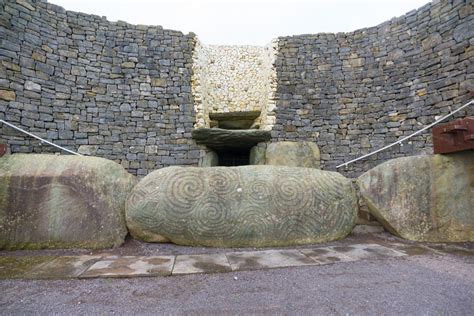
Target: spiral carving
[223, 183]
[210, 221]
[259, 191]
[291, 189]
[182, 190]
[253, 206]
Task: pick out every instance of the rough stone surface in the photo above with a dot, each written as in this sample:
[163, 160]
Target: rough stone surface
[126, 87]
[293, 154]
[355, 92]
[257, 154]
[234, 79]
[49, 201]
[211, 159]
[7, 95]
[252, 206]
[217, 138]
[423, 198]
[78, 79]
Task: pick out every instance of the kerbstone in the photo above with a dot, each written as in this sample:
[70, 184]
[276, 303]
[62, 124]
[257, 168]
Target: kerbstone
[423, 198]
[49, 201]
[247, 206]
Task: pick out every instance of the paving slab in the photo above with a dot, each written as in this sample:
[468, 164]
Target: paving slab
[412, 249]
[33, 265]
[367, 251]
[326, 255]
[206, 263]
[451, 249]
[130, 266]
[12, 267]
[64, 267]
[265, 259]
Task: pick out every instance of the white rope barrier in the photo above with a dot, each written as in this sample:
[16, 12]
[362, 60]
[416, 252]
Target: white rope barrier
[37, 137]
[407, 137]
[341, 165]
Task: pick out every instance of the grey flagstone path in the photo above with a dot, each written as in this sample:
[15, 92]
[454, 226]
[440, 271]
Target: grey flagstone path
[107, 266]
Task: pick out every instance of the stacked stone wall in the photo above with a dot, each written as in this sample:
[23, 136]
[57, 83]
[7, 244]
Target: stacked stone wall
[133, 93]
[113, 90]
[352, 93]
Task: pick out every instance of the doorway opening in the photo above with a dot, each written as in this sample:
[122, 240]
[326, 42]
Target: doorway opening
[232, 157]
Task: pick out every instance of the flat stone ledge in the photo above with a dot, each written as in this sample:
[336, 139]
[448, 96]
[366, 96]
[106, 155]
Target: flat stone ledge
[227, 116]
[217, 138]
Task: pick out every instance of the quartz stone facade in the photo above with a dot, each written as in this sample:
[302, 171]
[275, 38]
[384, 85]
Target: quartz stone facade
[234, 79]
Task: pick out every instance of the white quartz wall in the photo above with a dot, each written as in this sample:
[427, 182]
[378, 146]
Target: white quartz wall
[234, 79]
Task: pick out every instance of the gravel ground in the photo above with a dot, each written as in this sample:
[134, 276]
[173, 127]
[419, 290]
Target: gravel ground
[416, 285]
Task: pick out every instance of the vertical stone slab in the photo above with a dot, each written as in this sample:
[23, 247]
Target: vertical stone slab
[293, 154]
[424, 198]
[49, 201]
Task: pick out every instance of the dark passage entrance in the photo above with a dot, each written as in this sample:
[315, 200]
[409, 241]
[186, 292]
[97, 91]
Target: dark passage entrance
[228, 147]
[233, 157]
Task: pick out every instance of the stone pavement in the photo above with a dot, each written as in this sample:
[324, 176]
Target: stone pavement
[124, 266]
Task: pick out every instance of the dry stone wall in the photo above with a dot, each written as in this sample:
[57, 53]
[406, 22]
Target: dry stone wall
[134, 93]
[352, 93]
[114, 90]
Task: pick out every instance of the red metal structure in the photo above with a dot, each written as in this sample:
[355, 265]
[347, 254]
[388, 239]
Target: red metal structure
[454, 136]
[3, 149]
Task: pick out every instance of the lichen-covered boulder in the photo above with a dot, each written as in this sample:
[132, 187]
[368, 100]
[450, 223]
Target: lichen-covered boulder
[49, 201]
[247, 206]
[423, 198]
[293, 154]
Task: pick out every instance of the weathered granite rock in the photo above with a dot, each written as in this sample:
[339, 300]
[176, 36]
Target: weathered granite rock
[293, 154]
[247, 206]
[49, 201]
[424, 198]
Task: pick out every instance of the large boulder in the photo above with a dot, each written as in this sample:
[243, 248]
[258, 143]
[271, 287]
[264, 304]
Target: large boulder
[293, 154]
[247, 206]
[49, 201]
[423, 198]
